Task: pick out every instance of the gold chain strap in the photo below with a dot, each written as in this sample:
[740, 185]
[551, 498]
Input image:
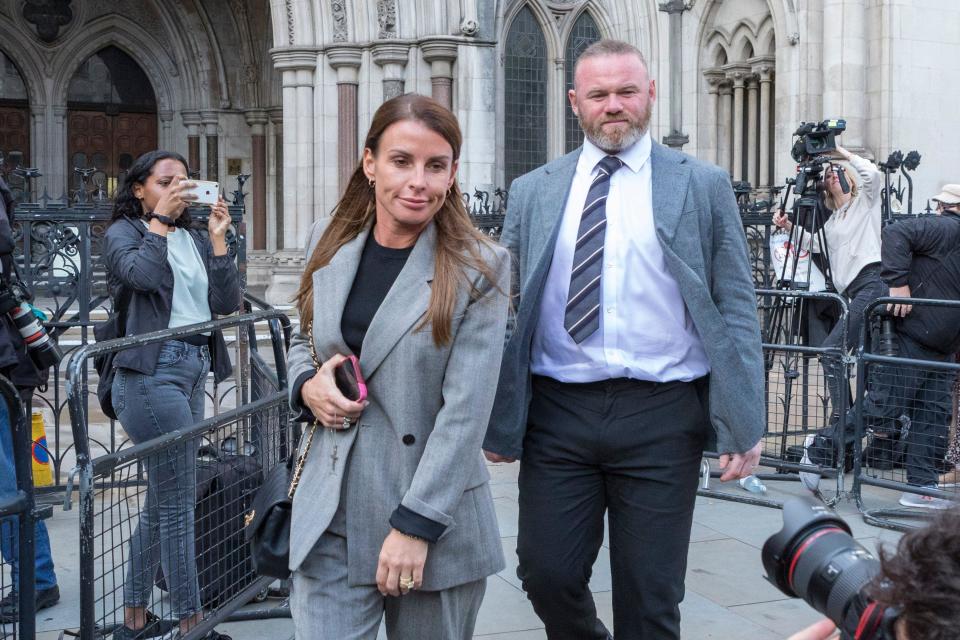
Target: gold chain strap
[298, 470]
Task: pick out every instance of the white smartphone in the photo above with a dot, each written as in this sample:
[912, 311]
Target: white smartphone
[206, 191]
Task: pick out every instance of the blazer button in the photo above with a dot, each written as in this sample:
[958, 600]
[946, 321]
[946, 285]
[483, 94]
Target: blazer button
[409, 439]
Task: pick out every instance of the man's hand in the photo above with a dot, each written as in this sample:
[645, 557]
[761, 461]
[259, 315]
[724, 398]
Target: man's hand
[496, 457]
[900, 310]
[739, 465]
[822, 630]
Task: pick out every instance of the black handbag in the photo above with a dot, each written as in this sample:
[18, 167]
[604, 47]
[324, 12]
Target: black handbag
[112, 327]
[268, 523]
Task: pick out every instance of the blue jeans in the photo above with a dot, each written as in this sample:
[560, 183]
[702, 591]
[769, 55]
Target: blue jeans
[149, 407]
[9, 538]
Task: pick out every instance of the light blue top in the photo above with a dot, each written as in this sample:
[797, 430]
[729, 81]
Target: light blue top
[190, 285]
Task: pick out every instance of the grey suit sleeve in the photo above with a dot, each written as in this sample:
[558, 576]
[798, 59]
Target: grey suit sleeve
[300, 366]
[469, 384]
[733, 292]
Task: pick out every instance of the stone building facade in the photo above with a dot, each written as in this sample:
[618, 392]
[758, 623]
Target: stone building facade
[284, 89]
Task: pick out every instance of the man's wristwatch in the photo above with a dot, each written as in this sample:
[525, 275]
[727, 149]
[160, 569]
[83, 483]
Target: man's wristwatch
[167, 220]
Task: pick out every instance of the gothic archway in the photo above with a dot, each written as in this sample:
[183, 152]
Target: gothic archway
[111, 118]
[14, 118]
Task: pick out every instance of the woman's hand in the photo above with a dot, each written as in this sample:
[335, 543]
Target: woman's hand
[217, 225]
[321, 395]
[175, 199]
[823, 630]
[781, 220]
[401, 558]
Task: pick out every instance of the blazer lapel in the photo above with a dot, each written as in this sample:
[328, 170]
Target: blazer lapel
[405, 304]
[669, 182]
[334, 281]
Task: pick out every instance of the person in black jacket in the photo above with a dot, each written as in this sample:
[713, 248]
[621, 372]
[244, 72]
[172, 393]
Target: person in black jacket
[176, 277]
[921, 259]
[17, 366]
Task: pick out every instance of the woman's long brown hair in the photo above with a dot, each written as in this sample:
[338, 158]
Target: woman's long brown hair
[458, 242]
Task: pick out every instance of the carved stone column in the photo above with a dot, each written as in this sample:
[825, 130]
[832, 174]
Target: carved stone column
[738, 75]
[276, 119]
[392, 58]
[724, 130]
[440, 53]
[346, 60]
[256, 119]
[765, 73]
[191, 120]
[165, 138]
[297, 66]
[713, 77]
[675, 8]
[752, 130]
[845, 60]
[210, 121]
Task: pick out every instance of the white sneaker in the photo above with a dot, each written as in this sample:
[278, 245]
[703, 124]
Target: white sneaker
[925, 502]
[809, 479]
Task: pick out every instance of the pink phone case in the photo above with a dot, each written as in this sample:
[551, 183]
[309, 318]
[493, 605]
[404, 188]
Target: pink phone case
[349, 379]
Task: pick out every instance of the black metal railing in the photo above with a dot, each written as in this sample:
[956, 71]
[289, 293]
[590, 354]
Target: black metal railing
[253, 437]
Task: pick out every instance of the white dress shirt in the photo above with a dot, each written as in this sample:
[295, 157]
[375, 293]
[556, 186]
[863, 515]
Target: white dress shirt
[645, 330]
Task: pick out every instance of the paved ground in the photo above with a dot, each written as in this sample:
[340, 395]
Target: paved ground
[727, 596]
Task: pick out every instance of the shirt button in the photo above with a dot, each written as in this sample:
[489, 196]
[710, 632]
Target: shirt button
[609, 309]
[611, 264]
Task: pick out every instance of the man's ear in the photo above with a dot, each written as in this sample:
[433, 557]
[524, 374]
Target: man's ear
[572, 97]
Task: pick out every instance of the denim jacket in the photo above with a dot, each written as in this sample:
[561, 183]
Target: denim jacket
[137, 259]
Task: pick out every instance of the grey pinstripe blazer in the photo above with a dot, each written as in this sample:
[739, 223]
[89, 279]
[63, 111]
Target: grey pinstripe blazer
[437, 399]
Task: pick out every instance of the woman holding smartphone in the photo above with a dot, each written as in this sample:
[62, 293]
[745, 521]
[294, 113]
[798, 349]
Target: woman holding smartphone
[393, 515]
[174, 276]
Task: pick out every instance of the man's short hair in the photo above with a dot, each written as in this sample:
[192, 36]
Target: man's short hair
[923, 578]
[608, 47]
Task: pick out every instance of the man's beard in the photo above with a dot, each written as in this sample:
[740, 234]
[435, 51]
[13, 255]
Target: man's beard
[616, 141]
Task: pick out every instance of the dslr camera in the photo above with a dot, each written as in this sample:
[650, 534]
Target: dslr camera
[814, 557]
[14, 301]
[816, 139]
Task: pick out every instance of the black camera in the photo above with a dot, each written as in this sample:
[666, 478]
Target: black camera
[816, 138]
[814, 557]
[42, 348]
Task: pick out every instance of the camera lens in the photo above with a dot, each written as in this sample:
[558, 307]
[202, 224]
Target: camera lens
[814, 557]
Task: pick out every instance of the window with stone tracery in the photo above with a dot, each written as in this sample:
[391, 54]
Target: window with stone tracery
[539, 124]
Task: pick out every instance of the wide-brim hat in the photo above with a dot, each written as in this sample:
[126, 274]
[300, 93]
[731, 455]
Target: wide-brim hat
[949, 195]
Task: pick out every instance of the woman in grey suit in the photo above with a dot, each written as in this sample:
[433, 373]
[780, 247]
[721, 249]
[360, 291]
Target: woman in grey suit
[393, 515]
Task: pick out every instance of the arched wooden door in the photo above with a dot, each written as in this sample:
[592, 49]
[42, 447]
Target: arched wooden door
[111, 119]
[14, 121]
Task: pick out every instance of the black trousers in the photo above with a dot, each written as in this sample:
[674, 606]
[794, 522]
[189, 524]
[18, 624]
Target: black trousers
[628, 448]
[923, 396]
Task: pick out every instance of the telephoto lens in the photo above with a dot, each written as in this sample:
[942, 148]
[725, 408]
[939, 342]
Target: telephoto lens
[887, 344]
[814, 557]
[42, 349]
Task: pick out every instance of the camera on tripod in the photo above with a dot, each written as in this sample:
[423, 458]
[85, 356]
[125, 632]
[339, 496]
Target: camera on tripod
[814, 557]
[14, 301]
[816, 139]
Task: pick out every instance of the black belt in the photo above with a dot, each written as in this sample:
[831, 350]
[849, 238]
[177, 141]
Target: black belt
[197, 341]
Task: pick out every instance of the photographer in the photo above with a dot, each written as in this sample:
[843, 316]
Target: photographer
[921, 581]
[17, 366]
[921, 259]
[852, 238]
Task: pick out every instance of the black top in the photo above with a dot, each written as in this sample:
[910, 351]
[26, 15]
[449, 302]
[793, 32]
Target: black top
[378, 269]
[924, 253]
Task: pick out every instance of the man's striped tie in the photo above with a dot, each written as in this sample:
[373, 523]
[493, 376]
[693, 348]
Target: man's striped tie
[582, 315]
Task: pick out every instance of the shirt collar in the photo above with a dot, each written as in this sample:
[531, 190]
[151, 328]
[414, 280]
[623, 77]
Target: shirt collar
[633, 157]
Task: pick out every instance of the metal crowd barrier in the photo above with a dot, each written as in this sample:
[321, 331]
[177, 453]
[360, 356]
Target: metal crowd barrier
[905, 422]
[17, 526]
[234, 450]
[797, 401]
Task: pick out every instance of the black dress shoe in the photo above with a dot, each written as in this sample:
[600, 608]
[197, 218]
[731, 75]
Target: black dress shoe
[45, 599]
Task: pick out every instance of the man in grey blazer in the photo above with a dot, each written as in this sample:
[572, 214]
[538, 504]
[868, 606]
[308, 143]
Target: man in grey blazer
[636, 330]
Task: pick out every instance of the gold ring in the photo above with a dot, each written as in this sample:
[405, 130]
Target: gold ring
[406, 583]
